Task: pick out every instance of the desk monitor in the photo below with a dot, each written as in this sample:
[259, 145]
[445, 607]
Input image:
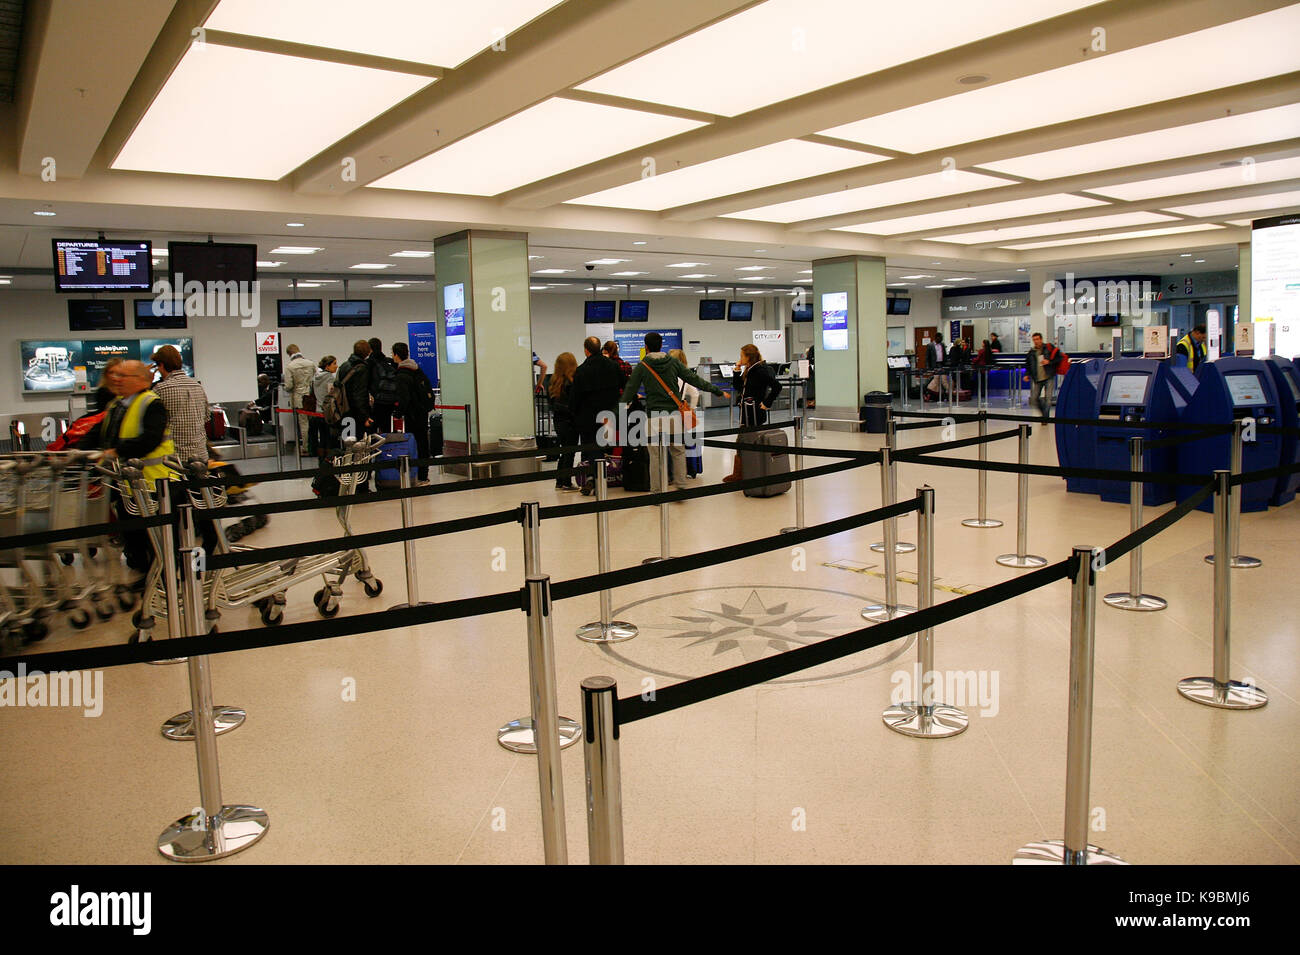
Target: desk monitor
[1127, 389]
[1246, 389]
[898, 361]
[726, 371]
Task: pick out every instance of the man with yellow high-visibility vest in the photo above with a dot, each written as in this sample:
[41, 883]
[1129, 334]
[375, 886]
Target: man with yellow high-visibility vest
[1190, 351]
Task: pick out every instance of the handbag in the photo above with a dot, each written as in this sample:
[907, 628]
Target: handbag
[689, 420]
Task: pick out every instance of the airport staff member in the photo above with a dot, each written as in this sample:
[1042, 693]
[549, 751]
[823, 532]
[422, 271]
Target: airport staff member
[1190, 351]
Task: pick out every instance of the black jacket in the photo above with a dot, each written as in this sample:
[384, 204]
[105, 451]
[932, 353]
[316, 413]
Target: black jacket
[153, 428]
[931, 361]
[357, 387]
[597, 387]
[414, 392]
[758, 383]
[562, 406]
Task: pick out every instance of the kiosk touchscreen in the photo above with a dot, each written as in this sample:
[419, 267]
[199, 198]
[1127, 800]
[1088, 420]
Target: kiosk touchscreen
[1286, 379]
[1132, 392]
[1231, 389]
[1076, 444]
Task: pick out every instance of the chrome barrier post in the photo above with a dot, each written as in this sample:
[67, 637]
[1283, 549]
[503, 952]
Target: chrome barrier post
[1075, 849]
[1020, 559]
[889, 484]
[169, 539]
[279, 436]
[213, 830]
[983, 481]
[517, 735]
[469, 443]
[1237, 560]
[905, 385]
[798, 484]
[604, 630]
[665, 549]
[1221, 690]
[541, 675]
[923, 716]
[604, 785]
[297, 436]
[891, 608]
[408, 545]
[1135, 599]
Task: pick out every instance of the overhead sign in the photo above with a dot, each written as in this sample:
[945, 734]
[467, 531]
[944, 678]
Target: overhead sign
[268, 343]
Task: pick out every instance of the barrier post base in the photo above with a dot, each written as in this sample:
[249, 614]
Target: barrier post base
[976, 522]
[1240, 562]
[1054, 852]
[653, 560]
[224, 719]
[1022, 561]
[1232, 695]
[165, 663]
[880, 613]
[517, 735]
[932, 722]
[406, 606]
[901, 547]
[1144, 602]
[616, 631]
[234, 828]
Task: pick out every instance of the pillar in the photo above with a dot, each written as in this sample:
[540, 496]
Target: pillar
[849, 292]
[1243, 301]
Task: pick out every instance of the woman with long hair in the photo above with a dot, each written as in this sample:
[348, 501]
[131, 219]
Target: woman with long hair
[755, 386]
[559, 392]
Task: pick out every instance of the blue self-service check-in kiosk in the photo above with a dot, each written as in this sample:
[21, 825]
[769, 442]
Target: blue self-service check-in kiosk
[1076, 445]
[1286, 378]
[1228, 390]
[1132, 390]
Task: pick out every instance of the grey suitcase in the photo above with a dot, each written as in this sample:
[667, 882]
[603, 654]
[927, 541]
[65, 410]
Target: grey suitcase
[765, 463]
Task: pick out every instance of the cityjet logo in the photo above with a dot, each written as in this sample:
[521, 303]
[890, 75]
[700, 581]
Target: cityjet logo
[1087, 298]
[78, 688]
[637, 428]
[209, 300]
[960, 688]
[75, 907]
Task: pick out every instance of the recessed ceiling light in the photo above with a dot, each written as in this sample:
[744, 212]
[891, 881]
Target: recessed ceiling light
[410, 254]
[4, 282]
[621, 274]
[805, 272]
[899, 285]
[269, 265]
[1184, 255]
[607, 261]
[654, 290]
[1022, 270]
[308, 285]
[756, 278]
[44, 212]
[752, 268]
[760, 250]
[961, 278]
[552, 271]
[685, 265]
[938, 286]
[918, 276]
[296, 250]
[1199, 261]
[996, 281]
[372, 265]
[935, 263]
[639, 242]
[295, 225]
[537, 288]
[697, 275]
[537, 256]
[387, 285]
[757, 291]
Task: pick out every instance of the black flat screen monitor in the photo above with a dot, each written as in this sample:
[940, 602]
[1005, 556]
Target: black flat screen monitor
[1105, 321]
[349, 312]
[1127, 389]
[634, 310]
[898, 306]
[740, 311]
[154, 313]
[96, 315]
[804, 314]
[713, 309]
[597, 313]
[98, 265]
[298, 312]
[212, 262]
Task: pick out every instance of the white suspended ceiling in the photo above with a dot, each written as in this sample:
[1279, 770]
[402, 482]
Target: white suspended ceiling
[946, 183]
[1014, 208]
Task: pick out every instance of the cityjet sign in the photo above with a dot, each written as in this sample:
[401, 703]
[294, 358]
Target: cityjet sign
[209, 299]
[1086, 298]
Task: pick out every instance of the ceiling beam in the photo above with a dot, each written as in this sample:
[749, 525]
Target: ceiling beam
[1134, 248]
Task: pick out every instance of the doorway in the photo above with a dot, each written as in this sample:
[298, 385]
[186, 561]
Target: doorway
[920, 338]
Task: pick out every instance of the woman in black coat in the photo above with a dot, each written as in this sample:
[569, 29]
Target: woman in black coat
[559, 392]
[755, 386]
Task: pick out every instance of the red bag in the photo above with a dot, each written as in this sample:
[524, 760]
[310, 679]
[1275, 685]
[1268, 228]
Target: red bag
[1063, 362]
[216, 424]
[76, 431]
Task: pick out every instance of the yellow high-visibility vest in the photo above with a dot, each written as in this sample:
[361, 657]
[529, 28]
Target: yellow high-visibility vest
[133, 425]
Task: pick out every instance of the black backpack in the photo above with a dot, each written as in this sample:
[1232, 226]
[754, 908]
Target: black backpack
[383, 382]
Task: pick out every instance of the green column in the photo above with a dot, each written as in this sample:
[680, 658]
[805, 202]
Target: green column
[1243, 299]
[857, 283]
[482, 279]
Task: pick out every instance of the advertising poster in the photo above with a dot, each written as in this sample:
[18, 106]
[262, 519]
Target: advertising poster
[453, 312]
[1275, 282]
[183, 345]
[422, 339]
[770, 343]
[1155, 341]
[1244, 340]
[50, 365]
[1023, 333]
[835, 321]
[96, 354]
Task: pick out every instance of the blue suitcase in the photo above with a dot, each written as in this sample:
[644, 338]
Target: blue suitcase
[694, 461]
[397, 446]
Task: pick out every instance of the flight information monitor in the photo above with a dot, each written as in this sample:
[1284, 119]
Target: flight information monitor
[740, 311]
[97, 265]
[713, 309]
[634, 310]
[1246, 390]
[597, 313]
[298, 312]
[152, 313]
[96, 315]
[349, 312]
[1127, 389]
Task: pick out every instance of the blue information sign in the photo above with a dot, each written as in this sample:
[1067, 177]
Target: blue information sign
[422, 338]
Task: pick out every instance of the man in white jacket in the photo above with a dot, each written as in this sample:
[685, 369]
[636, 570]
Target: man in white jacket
[298, 375]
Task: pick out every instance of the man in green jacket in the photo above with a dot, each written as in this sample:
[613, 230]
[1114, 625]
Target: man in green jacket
[661, 397]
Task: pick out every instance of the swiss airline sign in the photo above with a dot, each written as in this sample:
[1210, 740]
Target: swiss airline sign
[268, 343]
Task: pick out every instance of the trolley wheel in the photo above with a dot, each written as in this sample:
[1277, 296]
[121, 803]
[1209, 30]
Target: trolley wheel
[104, 609]
[92, 551]
[67, 558]
[319, 596]
[261, 604]
[214, 629]
[374, 588]
[80, 619]
[330, 608]
[273, 615]
[125, 600]
[136, 617]
[34, 630]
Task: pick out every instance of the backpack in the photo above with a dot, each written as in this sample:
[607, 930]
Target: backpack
[336, 405]
[1062, 360]
[383, 383]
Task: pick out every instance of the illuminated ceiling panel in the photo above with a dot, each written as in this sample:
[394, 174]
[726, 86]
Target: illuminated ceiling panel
[1233, 207]
[1238, 174]
[248, 115]
[1092, 223]
[869, 197]
[1166, 70]
[783, 48]
[1230, 132]
[751, 169]
[441, 32]
[984, 213]
[543, 140]
[1142, 234]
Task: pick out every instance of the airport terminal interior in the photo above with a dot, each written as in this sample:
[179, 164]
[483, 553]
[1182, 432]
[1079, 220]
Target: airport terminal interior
[1026, 271]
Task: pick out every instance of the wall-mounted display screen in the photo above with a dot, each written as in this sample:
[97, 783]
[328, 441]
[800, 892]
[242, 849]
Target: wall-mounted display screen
[212, 262]
[349, 312]
[740, 311]
[154, 313]
[835, 321]
[798, 314]
[453, 314]
[1105, 321]
[96, 315]
[898, 306]
[298, 312]
[98, 265]
[1246, 389]
[1275, 280]
[634, 310]
[713, 309]
[183, 345]
[49, 365]
[633, 342]
[1127, 389]
[598, 313]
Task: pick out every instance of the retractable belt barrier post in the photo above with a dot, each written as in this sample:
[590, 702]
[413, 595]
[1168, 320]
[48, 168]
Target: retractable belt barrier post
[517, 735]
[604, 630]
[1020, 559]
[213, 830]
[541, 672]
[1237, 560]
[923, 716]
[891, 608]
[889, 486]
[1135, 599]
[604, 785]
[1075, 849]
[798, 484]
[1221, 690]
[408, 545]
[983, 480]
[665, 549]
[297, 437]
[167, 557]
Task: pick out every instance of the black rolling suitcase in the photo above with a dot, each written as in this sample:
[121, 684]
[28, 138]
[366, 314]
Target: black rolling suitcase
[435, 435]
[636, 469]
[765, 463]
